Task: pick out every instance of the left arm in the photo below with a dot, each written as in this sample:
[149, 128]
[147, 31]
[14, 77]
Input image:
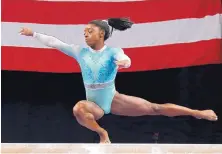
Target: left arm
[122, 60]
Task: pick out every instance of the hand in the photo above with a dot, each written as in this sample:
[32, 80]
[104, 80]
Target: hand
[26, 32]
[122, 63]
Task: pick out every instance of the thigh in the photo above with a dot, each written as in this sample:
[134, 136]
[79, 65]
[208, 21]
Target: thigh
[89, 107]
[131, 106]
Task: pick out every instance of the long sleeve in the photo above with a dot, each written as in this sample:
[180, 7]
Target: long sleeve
[120, 56]
[50, 41]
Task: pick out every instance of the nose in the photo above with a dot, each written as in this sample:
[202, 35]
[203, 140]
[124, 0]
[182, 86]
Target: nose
[86, 35]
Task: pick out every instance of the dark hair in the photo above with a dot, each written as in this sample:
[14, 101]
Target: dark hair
[116, 23]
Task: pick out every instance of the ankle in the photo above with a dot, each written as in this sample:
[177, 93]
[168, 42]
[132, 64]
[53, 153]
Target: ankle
[195, 113]
[103, 132]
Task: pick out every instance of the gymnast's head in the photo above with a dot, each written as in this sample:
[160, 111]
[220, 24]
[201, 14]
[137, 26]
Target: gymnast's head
[98, 31]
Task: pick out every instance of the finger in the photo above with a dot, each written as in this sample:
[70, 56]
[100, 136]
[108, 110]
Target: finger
[119, 62]
[22, 30]
[120, 67]
[21, 33]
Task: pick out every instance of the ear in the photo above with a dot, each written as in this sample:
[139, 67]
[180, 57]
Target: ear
[101, 33]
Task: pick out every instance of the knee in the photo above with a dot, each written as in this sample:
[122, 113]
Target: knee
[79, 108]
[157, 108]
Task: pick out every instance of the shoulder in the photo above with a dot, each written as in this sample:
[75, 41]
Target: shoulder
[79, 48]
[116, 50]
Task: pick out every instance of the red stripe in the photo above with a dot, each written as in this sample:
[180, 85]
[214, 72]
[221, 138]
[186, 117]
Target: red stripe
[82, 12]
[147, 58]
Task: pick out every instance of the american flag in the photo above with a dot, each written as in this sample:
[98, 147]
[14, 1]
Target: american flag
[166, 33]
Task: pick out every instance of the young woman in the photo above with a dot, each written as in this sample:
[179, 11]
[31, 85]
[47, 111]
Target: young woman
[99, 65]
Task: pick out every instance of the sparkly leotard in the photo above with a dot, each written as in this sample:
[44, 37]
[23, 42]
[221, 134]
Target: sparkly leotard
[98, 68]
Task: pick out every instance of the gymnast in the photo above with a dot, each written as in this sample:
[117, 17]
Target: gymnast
[99, 65]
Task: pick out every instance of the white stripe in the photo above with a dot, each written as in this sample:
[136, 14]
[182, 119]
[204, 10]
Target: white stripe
[140, 35]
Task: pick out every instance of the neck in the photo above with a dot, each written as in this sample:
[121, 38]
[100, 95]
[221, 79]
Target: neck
[98, 46]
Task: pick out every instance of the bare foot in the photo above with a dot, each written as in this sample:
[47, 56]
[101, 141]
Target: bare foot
[206, 114]
[104, 138]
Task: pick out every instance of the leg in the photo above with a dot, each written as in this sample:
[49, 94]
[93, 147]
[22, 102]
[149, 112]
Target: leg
[86, 114]
[134, 106]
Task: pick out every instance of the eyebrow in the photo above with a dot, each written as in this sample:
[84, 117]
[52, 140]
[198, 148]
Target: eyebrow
[88, 29]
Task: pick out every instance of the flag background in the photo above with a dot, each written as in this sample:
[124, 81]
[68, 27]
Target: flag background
[175, 47]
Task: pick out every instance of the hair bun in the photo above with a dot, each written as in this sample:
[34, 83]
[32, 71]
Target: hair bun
[120, 23]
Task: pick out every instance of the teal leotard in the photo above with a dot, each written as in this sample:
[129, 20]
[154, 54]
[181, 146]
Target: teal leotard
[98, 68]
[99, 72]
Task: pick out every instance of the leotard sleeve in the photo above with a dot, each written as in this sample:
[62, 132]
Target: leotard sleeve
[50, 41]
[120, 55]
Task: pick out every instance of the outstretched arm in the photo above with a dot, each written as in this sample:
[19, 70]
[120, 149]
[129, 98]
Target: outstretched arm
[50, 41]
[121, 59]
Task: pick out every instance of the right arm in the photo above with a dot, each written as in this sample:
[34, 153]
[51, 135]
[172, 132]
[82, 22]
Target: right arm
[50, 41]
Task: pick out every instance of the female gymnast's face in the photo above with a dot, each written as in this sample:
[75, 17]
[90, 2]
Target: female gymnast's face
[93, 35]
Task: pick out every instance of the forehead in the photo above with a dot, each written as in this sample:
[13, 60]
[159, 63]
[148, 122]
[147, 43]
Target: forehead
[91, 26]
